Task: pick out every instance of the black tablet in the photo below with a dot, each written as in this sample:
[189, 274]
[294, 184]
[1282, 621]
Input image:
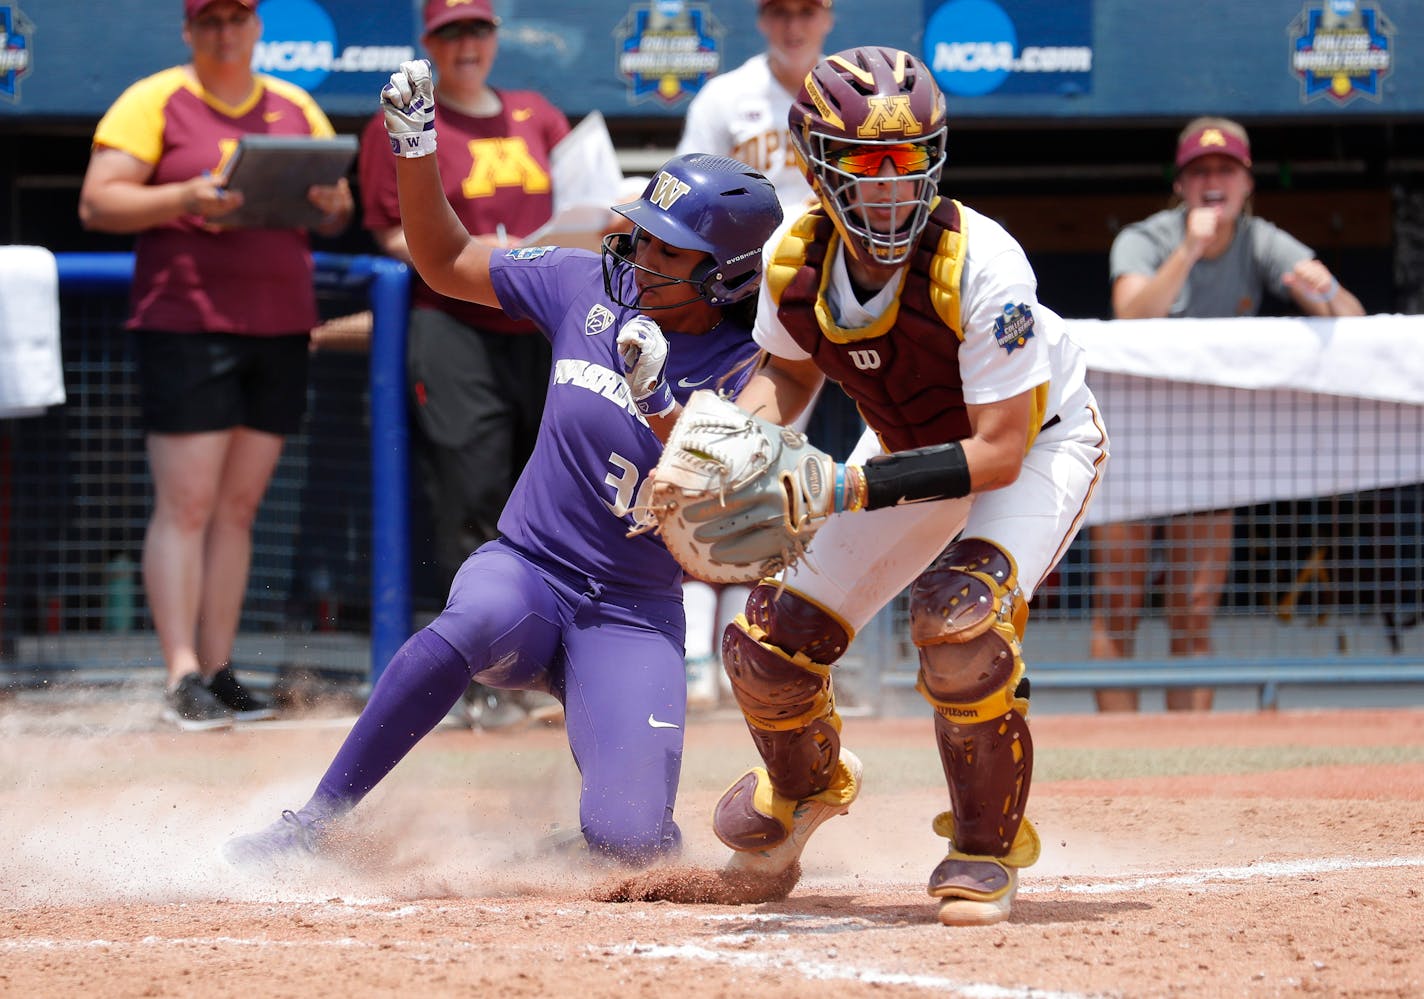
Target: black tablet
[273, 172]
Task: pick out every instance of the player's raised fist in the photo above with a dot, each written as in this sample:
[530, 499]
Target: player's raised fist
[643, 350]
[408, 101]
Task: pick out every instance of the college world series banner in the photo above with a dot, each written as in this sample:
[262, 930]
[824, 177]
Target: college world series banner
[997, 60]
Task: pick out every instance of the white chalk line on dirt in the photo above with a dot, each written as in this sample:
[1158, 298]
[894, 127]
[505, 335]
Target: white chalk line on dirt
[826, 971]
[810, 969]
[1203, 878]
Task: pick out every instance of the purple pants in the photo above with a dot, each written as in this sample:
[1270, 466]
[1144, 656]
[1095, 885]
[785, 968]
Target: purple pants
[615, 660]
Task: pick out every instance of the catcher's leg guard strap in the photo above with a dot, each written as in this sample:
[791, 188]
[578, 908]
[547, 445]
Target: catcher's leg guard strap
[963, 611]
[783, 692]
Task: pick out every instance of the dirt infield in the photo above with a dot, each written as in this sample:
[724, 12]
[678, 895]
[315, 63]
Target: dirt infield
[1215, 855]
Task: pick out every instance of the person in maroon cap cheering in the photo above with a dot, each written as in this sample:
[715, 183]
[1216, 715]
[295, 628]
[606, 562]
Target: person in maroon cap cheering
[222, 318]
[1206, 257]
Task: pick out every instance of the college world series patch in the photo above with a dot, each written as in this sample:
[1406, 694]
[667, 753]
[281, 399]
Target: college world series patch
[529, 252]
[1014, 327]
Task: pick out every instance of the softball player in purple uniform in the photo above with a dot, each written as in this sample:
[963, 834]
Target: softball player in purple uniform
[564, 601]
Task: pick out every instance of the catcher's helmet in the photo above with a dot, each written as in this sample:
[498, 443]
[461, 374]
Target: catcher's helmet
[699, 202]
[857, 101]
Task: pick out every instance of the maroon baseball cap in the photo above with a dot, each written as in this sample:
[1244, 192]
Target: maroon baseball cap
[192, 8]
[1213, 140]
[439, 13]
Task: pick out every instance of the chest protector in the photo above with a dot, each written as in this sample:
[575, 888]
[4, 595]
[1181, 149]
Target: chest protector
[903, 369]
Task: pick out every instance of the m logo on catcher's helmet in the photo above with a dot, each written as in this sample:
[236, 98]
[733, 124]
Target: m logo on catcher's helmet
[889, 114]
[667, 190]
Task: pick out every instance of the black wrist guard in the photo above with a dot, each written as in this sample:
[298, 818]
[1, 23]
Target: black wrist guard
[939, 471]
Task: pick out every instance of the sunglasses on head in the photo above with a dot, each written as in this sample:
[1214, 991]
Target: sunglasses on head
[865, 161]
[461, 29]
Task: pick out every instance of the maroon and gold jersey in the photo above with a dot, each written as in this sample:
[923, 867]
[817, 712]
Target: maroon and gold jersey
[907, 385]
[186, 276]
[496, 172]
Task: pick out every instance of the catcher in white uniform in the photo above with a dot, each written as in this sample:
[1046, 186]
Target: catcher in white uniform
[983, 452]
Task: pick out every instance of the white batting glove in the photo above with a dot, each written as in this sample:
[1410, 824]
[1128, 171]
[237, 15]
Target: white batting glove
[408, 101]
[643, 351]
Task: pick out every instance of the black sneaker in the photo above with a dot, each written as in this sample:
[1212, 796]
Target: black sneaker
[193, 708]
[243, 703]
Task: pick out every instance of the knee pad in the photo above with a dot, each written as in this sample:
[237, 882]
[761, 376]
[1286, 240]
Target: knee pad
[783, 690]
[797, 624]
[967, 614]
[966, 617]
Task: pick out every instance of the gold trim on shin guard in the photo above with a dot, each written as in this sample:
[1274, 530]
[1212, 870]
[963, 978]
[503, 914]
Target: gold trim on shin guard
[967, 616]
[970, 670]
[787, 699]
[977, 890]
[789, 708]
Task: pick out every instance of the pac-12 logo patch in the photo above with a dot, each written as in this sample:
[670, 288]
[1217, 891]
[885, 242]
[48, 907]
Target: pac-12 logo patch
[597, 320]
[1014, 327]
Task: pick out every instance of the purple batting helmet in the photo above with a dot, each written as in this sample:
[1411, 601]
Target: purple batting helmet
[701, 202]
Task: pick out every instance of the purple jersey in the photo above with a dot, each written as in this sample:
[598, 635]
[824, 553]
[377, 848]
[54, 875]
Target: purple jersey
[565, 601]
[569, 508]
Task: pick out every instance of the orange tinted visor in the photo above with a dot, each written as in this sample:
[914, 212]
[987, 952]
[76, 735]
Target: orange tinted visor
[865, 161]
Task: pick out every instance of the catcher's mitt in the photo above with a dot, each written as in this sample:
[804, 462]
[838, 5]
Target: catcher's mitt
[734, 497]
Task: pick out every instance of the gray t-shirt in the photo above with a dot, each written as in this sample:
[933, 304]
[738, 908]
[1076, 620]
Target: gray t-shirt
[1232, 284]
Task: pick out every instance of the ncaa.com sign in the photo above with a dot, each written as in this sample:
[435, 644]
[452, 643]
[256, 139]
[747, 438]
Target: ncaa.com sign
[280, 58]
[977, 47]
[981, 57]
[300, 43]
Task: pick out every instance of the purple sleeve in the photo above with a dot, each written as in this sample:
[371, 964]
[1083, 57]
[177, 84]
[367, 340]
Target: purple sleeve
[535, 282]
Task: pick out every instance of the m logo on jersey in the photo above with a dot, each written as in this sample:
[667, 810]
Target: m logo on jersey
[503, 162]
[889, 114]
[597, 321]
[667, 190]
[865, 360]
[1014, 326]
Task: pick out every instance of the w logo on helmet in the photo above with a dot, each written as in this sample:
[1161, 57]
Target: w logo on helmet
[667, 190]
[889, 114]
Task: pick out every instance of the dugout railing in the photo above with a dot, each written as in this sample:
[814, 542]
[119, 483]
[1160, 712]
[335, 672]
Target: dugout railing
[330, 579]
[1311, 431]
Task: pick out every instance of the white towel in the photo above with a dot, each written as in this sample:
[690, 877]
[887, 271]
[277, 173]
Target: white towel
[31, 369]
